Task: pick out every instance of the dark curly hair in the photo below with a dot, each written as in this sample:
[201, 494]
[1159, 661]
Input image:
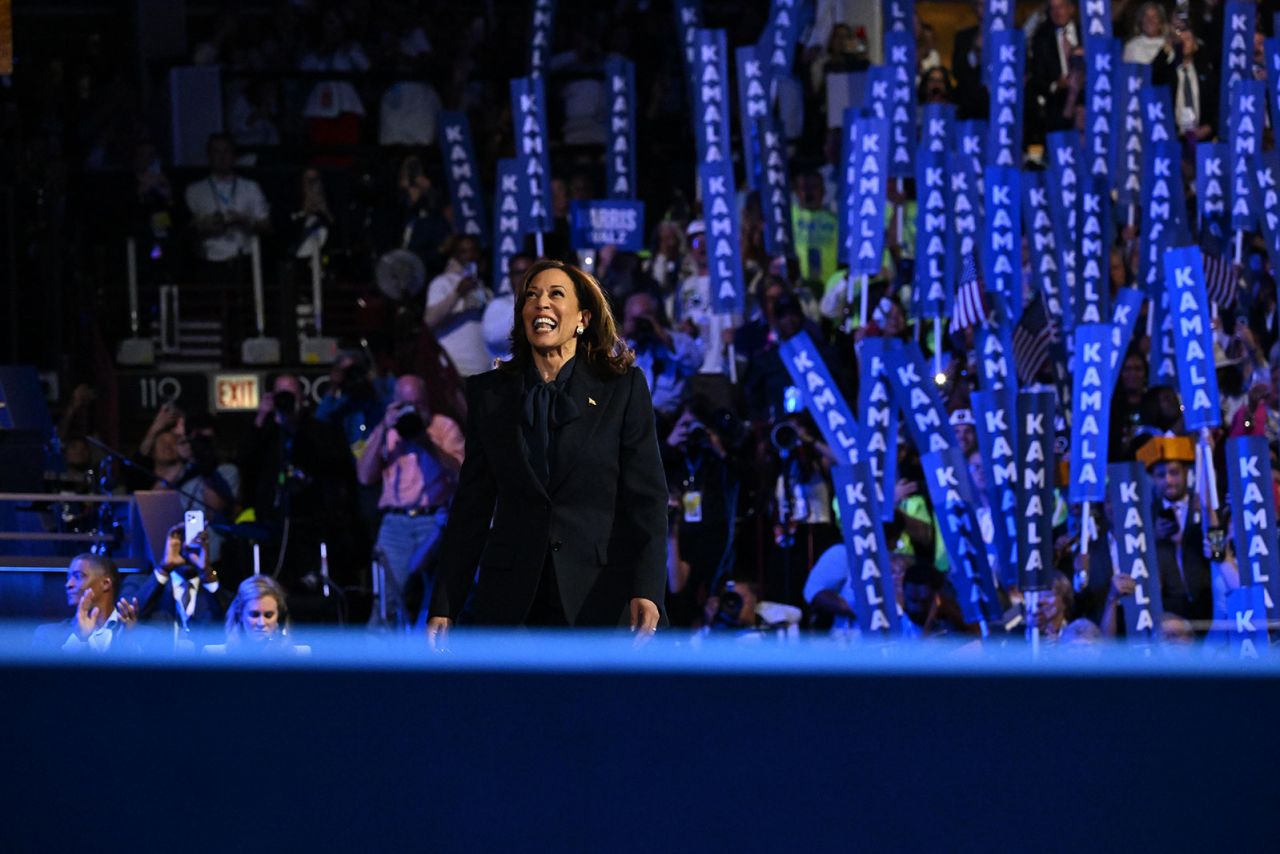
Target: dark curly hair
[599, 346]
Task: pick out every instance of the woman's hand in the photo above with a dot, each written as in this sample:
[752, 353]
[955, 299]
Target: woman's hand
[438, 632]
[644, 617]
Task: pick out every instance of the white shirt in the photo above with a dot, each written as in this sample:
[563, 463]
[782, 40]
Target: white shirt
[214, 195]
[831, 572]
[461, 333]
[1186, 112]
[1143, 49]
[407, 114]
[178, 586]
[332, 98]
[99, 639]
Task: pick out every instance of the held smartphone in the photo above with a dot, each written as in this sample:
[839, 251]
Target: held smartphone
[193, 525]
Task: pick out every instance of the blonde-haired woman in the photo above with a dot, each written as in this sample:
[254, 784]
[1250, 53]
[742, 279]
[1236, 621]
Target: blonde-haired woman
[258, 619]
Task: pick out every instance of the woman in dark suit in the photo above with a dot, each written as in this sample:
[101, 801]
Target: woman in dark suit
[562, 456]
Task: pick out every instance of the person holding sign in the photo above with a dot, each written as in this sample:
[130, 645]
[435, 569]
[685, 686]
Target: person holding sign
[562, 456]
[1186, 547]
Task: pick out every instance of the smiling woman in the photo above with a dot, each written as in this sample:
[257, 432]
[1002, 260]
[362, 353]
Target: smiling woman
[562, 457]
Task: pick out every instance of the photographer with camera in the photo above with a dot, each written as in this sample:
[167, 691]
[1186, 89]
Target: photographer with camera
[355, 398]
[703, 473]
[416, 455]
[300, 480]
[667, 356]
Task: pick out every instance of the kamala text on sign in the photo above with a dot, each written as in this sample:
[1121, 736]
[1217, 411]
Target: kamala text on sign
[775, 194]
[1095, 254]
[927, 424]
[1040, 236]
[721, 214]
[822, 398]
[508, 221]
[464, 177]
[965, 207]
[1267, 173]
[880, 424]
[540, 33]
[1101, 56]
[1161, 193]
[868, 555]
[711, 97]
[620, 160]
[753, 105]
[1248, 100]
[1096, 17]
[1128, 136]
[1237, 53]
[1134, 534]
[1211, 193]
[1197, 377]
[934, 236]
[1007, 60]
[1254, 515]
[1091, 405]
[900, 55]
[1035, 491]
[529, 115]
[936, 127]
[1063, 181]
[1002, 249]
[951, 491]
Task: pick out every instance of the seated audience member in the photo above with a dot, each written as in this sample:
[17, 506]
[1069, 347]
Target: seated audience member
[258, 620]
[182, 591]
[929, 604]
[827, 591]
[100, 621]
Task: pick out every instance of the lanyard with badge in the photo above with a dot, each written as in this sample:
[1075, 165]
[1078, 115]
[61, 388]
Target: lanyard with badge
[691, 497]
[224, 202]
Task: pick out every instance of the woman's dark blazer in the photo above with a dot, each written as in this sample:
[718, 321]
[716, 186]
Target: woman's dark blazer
[601, 518]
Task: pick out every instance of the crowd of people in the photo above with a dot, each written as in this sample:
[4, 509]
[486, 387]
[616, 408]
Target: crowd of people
[365, 474]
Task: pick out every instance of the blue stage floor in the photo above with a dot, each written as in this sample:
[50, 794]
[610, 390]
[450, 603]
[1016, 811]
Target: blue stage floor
[528, 741]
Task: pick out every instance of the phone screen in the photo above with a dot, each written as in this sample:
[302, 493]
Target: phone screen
[193, 525]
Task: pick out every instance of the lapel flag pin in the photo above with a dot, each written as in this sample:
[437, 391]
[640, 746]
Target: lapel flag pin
[591, 400]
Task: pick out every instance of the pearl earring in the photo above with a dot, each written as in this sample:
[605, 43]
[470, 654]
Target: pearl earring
[581, 329]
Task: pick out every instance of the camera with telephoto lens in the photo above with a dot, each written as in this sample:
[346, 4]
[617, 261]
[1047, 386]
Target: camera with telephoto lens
[697, 435]
[785, 436]
[286, 403]
[409, 424]
[729, 614]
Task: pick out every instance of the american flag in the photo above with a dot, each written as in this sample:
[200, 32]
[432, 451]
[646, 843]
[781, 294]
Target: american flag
[1221, 279]
[969, 310]
[1032, 338]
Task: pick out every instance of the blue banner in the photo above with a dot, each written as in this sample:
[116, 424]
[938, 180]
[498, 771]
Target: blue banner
[1163, 360]
[753, 106]
[1041, 239]
[935, 237]
[1092, 302]
[688, 20]
[509, 207]
[620, 158]
[1266, 170]
[1001, 253]
[866, 171]
[997, 17]
[1005, 58]
[1211, 196]
[1102, 58]
[1127, 139]
[1095, 15]
[1124, 316]
[1238, 22]
[917, 396]
[1253, 515]
[898, 16]
[529, 119]
[875, 602]
[1193, 337]
[946, 474]
[1247, 622]
[1248, 108]
[994, 424]
[1090, 412]
[966, 216]
[971, 140]
[937, 127]
[1063, 181]
[609, 222]
[1036, 504]
[1271, 52]
[1161, 197]
[821, 395]
[880, 424]
[720, 211]
[900, 60]
[777, 45]
[464, 178]
[775, 190]
[540, 35]
[1157, 114]
[711, 98]
[1130, 492]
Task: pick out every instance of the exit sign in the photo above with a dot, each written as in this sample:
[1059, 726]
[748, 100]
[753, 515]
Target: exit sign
[235, 392]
